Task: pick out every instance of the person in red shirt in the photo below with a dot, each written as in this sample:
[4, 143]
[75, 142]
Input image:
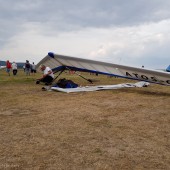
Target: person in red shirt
[8, 67]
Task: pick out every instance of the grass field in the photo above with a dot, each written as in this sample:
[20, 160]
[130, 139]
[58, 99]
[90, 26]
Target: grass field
[112, 130]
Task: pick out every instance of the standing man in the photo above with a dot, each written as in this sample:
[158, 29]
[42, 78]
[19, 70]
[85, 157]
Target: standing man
[48, 75]
[8, 67]
[14, 68]
[27, 68]
[33, 70]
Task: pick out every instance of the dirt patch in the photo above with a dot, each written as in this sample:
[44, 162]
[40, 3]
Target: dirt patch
[114, 129]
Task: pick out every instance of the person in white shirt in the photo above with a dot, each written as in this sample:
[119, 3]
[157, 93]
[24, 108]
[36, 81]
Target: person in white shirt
[14, 68]
[48, 75]
[33, 70]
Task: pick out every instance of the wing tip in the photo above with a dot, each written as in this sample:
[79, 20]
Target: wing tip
[51, 54]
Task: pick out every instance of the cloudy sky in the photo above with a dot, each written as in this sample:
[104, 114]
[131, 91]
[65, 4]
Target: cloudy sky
[129, 32]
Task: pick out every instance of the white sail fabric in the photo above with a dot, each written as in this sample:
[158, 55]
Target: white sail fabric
[57, 62]
[99, 87]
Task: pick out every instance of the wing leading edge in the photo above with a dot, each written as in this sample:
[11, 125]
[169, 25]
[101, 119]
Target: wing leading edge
[61, 62]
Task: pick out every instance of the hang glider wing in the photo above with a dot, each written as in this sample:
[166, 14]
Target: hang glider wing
[99, 87]
[61, 62]
[168, 69]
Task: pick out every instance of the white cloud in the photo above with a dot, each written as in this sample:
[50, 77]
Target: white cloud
[128, 44]
[136, 43]
[114, 31]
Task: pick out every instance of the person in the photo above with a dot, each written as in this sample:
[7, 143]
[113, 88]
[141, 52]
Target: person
[27, 68]
[8, 67]
[14, 68]
[33, 70]
[48, 75]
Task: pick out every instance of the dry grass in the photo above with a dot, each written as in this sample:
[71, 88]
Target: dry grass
[114, 129]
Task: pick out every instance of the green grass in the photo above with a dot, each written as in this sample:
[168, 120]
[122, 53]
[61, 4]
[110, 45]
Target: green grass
[22, 78]
[19, 78]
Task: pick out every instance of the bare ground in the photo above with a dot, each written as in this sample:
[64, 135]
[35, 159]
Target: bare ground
[112, 130]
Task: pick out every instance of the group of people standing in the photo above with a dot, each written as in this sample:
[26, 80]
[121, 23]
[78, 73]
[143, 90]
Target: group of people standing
[28, 68]
[47, 77]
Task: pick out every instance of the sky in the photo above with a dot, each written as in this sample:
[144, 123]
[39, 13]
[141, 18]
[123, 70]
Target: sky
[126, 32]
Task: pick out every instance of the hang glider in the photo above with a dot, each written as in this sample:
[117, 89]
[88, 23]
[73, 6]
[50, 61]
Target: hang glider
[165, 70]
[168, 69]
[60, 63]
